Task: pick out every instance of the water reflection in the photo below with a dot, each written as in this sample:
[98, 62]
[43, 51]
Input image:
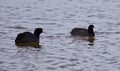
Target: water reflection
[33, 44]
[91, 40]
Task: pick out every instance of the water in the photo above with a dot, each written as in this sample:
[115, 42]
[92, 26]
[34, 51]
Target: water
[60, 51]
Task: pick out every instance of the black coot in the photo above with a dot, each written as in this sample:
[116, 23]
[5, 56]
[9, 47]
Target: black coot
[28, 39]
[83, 31]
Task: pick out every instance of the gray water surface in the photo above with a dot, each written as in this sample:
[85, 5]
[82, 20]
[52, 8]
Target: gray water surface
[60, 51]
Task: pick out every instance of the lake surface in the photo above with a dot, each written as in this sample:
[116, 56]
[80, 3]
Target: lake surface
[60, 51]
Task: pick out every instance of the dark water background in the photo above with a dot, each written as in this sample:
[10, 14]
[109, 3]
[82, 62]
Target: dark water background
[60, 51]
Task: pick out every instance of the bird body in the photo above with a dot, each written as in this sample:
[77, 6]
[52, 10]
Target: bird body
[79, 32]
[26, 37]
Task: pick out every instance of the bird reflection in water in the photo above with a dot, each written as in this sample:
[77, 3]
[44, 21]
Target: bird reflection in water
[91, 40]
[32, 44]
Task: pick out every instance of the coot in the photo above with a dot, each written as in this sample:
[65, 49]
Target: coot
[28, 39]
[83, 31]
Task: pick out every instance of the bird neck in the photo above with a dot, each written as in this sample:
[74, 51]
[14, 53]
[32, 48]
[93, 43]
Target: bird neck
[90, 31]
[36, 34]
